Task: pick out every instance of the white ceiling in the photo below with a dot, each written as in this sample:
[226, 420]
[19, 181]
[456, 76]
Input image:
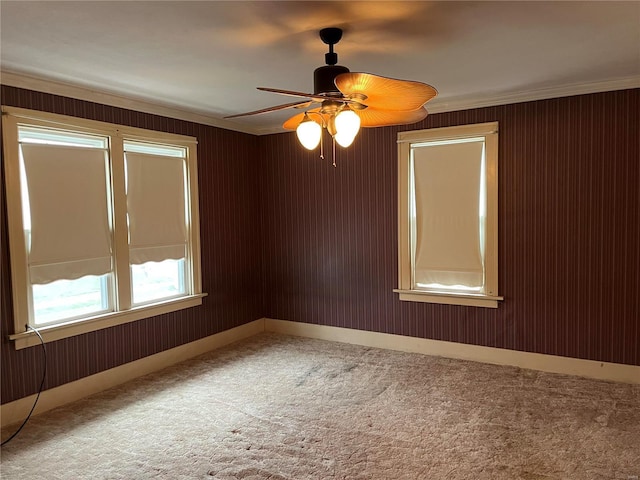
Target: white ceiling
[203, 59]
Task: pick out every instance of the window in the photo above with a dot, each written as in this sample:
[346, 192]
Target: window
[103, 223]
[448, 206]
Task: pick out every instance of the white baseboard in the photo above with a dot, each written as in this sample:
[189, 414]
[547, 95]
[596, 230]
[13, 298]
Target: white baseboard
[615, 372]
[16, 411]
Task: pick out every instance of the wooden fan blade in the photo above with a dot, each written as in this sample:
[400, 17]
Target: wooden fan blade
[386, 93]
[373, 117]
[314, 114]
[273, 109]
[315, 97]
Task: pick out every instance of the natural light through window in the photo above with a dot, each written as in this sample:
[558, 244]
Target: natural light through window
[157, 219]
[55, 292]
[154, 280]
[457, 287]
[448, 209]
[103, 223]
[70, 299]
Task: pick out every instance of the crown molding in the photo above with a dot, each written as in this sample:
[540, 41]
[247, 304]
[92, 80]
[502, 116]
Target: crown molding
[65, 89]
[438, 105]
[441, 105]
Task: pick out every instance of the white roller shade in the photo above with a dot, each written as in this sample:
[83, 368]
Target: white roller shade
[447, 189]
[156, 207]
[70, 235]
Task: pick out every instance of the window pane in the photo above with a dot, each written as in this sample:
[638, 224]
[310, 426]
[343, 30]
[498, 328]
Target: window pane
[157, 280]
[67, 211]
[61, 137]
[448, 204]
[156, 206]
[69, 299]
[155, 149]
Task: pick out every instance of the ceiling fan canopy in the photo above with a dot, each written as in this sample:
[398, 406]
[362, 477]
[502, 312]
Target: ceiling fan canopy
[373, 101]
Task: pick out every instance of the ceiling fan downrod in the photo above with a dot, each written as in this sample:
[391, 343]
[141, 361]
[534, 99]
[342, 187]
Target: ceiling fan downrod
[323, 77]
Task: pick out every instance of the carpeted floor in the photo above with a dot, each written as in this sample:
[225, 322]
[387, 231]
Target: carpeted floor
[277, 407]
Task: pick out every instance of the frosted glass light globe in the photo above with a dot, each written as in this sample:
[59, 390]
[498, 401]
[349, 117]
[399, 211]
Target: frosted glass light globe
[347, 127]
[309, 133]
[344, 140]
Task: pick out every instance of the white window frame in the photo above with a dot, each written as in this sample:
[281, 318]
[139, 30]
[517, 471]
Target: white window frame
[407, 289]
[124, 310]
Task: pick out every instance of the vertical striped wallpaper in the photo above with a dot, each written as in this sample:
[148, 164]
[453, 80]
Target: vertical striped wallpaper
[569, 229]
[569, 232]
[228, 187]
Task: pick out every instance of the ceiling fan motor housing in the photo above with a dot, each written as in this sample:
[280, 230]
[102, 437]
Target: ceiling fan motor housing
[323, 78]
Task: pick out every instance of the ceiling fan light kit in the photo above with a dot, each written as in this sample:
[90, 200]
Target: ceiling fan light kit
[347, 127]
[309, 133]
[348, 100]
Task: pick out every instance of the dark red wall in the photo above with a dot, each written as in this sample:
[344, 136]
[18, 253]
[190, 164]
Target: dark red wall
[569, 232]
[231, 256]
[325, 238]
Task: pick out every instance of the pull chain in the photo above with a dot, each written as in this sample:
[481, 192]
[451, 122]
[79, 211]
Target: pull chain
[334, 151]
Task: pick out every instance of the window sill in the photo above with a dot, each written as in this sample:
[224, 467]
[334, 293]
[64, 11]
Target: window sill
[470, 300]
[78, 327]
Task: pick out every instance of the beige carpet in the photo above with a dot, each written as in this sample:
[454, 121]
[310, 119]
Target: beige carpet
[277, 407]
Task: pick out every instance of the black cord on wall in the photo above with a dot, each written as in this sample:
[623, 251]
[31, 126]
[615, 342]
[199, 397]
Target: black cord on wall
[44, 375]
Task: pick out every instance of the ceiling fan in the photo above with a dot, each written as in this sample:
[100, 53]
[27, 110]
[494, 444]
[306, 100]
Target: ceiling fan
[342, 101]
